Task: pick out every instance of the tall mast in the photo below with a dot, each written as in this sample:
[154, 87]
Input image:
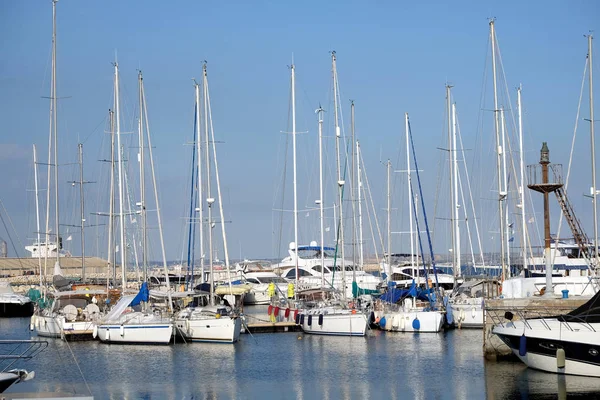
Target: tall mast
[358, 196]
[321, 199]
[120, 180]
[341, 182]
[55, 124]
[593, 146]
[158, 215]
[82, 203]
[454, 154]
[505, 179]
[410, 195]
[111, 252]
[352, 200]
[451, 174]
[389, 220]
[209, 199]
[142, 178]
[293, 71]
[522, 186]
[218, 181]
[200, 202]
[37, 214]
[499, 151]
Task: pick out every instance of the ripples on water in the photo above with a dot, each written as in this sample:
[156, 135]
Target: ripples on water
[293, 366]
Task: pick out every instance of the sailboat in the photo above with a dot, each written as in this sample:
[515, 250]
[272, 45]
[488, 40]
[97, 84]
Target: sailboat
[333, 314]
[409, 316]
[466, 302]
[63, 312]
[212, 322]
[131, 320]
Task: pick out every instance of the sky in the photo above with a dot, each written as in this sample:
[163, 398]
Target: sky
[392, 58]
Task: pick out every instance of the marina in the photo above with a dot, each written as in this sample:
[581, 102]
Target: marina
[313, 367]
[244, 264]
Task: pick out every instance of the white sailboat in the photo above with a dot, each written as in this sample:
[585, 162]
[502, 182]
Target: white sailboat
[214, 322]
[328, 316]
[122, 324]
[70, 313]
[409, 316]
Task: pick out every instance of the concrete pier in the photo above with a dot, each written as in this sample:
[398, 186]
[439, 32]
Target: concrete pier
[530, 307]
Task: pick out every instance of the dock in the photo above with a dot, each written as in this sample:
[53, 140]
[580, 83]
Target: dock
[271, 327]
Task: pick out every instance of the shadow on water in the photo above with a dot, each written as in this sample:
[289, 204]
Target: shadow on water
[383, 365]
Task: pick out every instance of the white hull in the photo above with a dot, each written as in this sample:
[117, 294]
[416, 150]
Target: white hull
[411, 321]
[337, 323]
[548, 364]
[223, 330]
[259, 294]
[468, 315]
[255, 297]
[542, 338]
[158, 333]
[48, 326]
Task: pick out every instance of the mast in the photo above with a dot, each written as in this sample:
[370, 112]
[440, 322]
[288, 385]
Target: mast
[352, 184]
[358, 194]
[293, 69]
[82, 202]
[160, 229]
[410, 196]
[451, 174]
[142, 179]
[522, 186]
[111, 211]
[209, 200]
[593, 148]
[499, 151]
[389, 220]
[321, 199]
[55, 124]
[505, 179]
[457, 271]
[218, 180]
[341, 182]
[120, 180]
[200, 205]
[37, 213]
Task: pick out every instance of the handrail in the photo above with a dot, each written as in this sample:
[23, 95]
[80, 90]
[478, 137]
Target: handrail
[23, 350]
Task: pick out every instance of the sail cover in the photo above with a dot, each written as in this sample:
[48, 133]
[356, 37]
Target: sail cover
[143, 295]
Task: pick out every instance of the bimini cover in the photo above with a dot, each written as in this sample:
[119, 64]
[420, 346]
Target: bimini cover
[588, 312]
[143, 295]
[118, 309]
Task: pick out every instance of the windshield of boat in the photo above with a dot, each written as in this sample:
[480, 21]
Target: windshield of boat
[269, 279]
[315, 252]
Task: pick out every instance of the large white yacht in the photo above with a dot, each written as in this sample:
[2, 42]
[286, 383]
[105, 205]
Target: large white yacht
[570, 271]
[310, 270]
[566, 259]
[403, 272]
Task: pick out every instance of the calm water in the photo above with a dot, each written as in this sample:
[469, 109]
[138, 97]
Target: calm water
[293, 366]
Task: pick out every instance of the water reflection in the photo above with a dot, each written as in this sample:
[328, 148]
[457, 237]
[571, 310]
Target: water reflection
[513, 380]
[384, 365]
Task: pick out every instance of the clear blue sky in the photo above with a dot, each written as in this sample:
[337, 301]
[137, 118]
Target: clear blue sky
[393, 57]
